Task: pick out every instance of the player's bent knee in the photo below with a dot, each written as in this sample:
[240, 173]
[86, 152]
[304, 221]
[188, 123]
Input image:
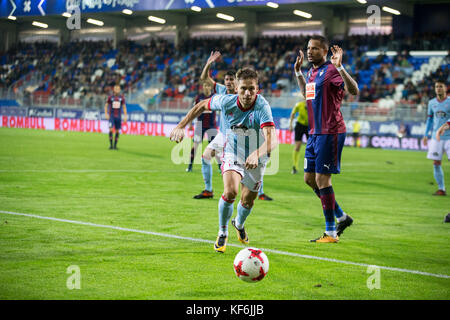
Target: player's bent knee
[323, 180]
[230, 194]
[310, 180]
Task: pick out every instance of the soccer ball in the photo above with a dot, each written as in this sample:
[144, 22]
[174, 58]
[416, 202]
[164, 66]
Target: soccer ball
[251, 265]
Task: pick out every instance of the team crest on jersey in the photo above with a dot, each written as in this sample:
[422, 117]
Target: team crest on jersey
[441, 114]
[321, 73]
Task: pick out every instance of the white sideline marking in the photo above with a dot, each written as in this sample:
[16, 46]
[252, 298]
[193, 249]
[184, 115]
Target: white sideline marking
[166, 235]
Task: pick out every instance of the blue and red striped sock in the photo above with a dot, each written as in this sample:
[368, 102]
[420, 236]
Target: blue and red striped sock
[328, 205]
[338, 212]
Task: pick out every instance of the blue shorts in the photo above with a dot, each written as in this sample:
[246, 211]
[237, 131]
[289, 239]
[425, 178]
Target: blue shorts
[115, 122]
[323, 153]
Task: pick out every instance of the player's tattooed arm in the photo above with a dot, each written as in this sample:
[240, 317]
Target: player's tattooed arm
[177, 134]
[204, 77]
[336, 59]
[301, 81]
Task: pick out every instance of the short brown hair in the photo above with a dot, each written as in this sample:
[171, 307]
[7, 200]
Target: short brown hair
[246, 73]
[231, 73]
[323, 41]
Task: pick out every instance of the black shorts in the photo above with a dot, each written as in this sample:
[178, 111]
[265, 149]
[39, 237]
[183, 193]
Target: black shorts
[300, 130]
[115, 122]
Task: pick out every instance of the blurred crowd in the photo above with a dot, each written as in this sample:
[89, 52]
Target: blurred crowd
[84, 69]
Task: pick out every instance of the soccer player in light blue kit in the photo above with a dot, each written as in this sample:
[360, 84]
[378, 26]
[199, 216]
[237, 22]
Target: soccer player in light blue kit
[215, 147]
[438, 114]
[250, 137]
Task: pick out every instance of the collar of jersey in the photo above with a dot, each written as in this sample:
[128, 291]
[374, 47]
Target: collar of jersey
[437, 99]
[242, 108]
[325, 64]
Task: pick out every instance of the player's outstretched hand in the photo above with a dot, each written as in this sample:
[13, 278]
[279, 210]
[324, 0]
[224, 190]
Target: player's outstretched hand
[299, 61]
[177, 135]
[252, 161]
[213, 57]
[336, 58]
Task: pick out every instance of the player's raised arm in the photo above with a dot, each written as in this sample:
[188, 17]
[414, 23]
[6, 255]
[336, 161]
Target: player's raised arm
[270, 143]
[177, 134]
[336, 59]
[301, 81]
[205, 72]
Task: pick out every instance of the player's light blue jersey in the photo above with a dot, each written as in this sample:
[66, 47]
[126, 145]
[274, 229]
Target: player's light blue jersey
[221, 89]
[243, 133]
[438, 114]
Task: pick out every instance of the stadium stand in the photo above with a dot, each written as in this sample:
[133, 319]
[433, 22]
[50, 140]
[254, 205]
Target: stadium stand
[83, 72]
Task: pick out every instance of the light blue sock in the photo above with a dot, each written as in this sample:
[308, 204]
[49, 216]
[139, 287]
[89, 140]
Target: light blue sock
[439, 177]
[207, 174]
[225, 213]
[261, 189]
[242, 214]
[338, 212]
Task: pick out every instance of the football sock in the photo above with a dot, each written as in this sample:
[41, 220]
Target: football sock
[242, 214]
[261, 189]
[295, 158]
[192, 155]
[225, 213]
[116, 138]
[328, 204]
[338, 212]
[439, 177]
[207, 174]
[110, 138]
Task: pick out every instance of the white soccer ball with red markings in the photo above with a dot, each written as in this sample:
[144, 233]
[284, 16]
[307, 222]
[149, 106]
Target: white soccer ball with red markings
[251, 265]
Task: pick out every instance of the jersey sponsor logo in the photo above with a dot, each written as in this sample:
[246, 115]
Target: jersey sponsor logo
[116, 104]
[310, 91]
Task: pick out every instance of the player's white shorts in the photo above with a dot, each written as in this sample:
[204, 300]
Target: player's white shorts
[217, 143]
[250, 178]
[436, 149]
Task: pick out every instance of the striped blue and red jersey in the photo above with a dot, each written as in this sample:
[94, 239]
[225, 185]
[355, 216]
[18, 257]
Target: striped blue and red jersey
[324, 94]
[208, 119]
[115, 105]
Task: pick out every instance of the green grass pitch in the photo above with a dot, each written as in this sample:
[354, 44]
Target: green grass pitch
[69, 175]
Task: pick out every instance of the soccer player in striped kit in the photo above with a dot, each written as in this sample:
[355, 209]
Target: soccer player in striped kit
[113, 110]
[324, 88]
